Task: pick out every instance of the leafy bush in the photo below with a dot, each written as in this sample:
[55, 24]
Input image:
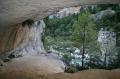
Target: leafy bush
[67, 58]
[71, 69]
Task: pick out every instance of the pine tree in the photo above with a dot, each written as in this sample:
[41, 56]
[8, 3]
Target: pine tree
[84, 34]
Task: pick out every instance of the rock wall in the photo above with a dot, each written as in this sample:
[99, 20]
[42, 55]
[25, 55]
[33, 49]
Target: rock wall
[65, 12]
[107, 41]
[23, 40]
[16, 11]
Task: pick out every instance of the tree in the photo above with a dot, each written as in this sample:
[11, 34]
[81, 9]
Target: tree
[84, 33]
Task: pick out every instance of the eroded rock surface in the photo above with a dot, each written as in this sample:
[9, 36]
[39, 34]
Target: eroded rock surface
[24, 40]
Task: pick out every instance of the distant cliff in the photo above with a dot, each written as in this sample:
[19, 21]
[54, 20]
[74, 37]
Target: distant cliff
[65, 12]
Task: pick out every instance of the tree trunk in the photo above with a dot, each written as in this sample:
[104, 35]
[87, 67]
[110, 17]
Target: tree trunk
[83, 52]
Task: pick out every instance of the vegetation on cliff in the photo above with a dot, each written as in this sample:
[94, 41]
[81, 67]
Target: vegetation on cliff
[81, 31]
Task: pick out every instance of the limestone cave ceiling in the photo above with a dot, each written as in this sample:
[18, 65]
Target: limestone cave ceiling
[16, 11]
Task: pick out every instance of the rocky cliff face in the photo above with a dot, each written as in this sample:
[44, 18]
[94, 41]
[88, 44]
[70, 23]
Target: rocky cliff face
[107, 41]
[23, 40]
[65, 12]
[25, 51]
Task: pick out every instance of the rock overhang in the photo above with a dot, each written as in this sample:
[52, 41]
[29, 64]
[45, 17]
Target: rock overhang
[17, 11]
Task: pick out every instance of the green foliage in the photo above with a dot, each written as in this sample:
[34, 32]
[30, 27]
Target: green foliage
[110, 22]
[115, 62]
[95, 62]
[58, 32]
[71, 69]
[84, 20]
[48, 40]
[67, 58]
[68, 32]
[59, 27]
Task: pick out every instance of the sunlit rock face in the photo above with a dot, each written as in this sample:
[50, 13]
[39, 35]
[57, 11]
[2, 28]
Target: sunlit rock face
[26, 53]
[65, 12]
[25, 40]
